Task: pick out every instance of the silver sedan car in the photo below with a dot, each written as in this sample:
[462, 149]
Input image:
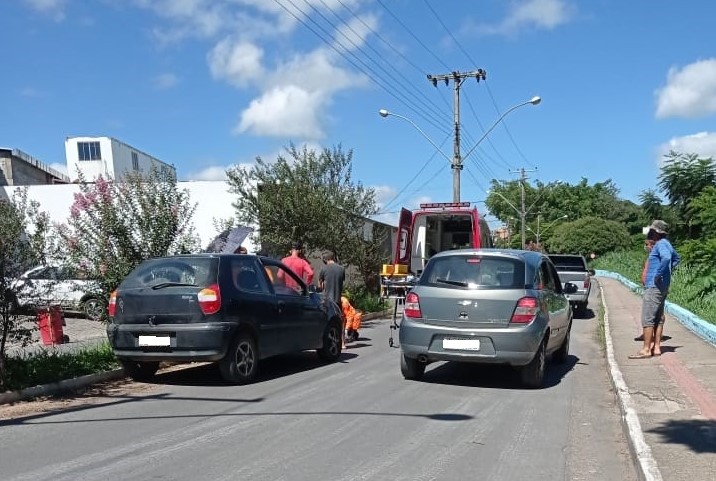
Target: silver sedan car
[487, 306]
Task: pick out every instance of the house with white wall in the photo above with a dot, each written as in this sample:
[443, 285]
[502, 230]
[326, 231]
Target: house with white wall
[108, 157]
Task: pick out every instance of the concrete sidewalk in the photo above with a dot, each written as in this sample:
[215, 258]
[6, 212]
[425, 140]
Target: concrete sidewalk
[674, 395]
[82, 332]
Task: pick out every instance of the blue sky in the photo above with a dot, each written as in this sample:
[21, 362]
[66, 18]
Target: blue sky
[206, 84]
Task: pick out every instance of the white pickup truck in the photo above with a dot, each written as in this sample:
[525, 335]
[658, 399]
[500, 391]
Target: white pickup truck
[573, 268]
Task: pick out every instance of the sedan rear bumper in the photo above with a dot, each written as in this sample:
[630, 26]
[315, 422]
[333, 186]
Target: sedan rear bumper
[186, 342]
[514, 346]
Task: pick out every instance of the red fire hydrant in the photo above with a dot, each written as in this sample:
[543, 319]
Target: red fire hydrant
[50, 321]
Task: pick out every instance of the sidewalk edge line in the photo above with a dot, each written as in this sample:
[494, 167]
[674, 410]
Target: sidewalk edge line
[646, 464]
[704, 329]
[60, 386]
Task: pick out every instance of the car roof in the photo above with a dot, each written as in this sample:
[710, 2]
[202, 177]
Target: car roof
[526, 256]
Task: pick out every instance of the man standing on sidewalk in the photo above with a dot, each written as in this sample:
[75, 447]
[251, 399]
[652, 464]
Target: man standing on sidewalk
[662, 260]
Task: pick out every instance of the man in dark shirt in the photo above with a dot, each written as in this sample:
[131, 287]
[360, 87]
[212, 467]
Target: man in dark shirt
[330, 281]
[331, 278]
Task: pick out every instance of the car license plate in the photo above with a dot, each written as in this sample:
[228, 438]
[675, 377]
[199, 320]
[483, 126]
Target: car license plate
[462, 344]
[154, 341]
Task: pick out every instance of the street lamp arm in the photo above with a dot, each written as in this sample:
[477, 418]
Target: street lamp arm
[385, 113]
[533, 101]
[506, 200]
[555, 221]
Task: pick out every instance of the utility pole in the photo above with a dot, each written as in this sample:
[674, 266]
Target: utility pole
[458, 78]
[523, 212]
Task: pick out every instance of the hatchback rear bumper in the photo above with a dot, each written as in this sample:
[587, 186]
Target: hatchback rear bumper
[514, 346]
[186, 342]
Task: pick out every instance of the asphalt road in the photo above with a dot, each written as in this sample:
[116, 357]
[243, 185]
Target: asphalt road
[353, 420]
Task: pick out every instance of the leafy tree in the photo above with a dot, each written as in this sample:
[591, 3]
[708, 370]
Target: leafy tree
[651, 204]
[114, 226]
[683, 177]
[589, 234]
[310, 196]
[24, 233]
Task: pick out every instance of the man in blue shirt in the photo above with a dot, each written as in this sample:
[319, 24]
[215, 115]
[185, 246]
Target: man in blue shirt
[661, 262]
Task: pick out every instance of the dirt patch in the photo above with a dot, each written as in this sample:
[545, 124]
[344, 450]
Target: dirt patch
[96, 394]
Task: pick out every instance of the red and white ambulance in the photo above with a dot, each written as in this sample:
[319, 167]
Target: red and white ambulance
[437, 227]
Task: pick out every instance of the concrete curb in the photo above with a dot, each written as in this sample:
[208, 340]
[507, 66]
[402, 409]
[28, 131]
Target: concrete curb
[644, 461]
[704, 329]
[66, 385]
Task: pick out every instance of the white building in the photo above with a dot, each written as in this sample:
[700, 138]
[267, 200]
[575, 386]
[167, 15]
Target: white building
[212, 198]
[109, 157]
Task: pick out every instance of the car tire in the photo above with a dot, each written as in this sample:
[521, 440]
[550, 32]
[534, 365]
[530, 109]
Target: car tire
[411, 369]
[332, 343]
[532, 375]
[139, 371]
[561, 354]
[580, 308]
[93, 308]
[241, 362]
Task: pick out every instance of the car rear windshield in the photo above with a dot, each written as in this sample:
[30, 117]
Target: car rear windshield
[199, 271]
[474, 272]
[568, 263]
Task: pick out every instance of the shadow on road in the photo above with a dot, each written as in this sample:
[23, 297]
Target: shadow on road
[698, 435]
[586, 315]
[269, 369]
[493, 377]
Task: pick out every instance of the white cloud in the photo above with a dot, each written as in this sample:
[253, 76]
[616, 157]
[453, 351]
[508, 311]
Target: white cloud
[236, 61]
[165, 81]
[52, 8]
[284, 111]
[703, 144]
[59, 167]
[525, 14]
[352, 35]
[689, 92]
[30, 92]
[295, 90]
[214, 172]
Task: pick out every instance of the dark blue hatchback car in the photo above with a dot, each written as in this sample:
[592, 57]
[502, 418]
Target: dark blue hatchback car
[232, 309]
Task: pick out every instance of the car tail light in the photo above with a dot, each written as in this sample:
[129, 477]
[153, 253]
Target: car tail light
[210, 299]
[112, 306]
[587, 280]
[412, 306]
[526, 310]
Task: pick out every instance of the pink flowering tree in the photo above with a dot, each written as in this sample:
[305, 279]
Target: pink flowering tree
[114, 226]
[24, 234]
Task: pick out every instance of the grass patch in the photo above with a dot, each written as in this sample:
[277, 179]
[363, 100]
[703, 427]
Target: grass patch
[686, 287]
[52, 366]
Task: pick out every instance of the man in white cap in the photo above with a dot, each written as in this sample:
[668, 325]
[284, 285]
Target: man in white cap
[661, 262]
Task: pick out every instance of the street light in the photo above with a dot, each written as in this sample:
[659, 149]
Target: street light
[533, 101]
[456, 162]
[565, 216]
[384, 113]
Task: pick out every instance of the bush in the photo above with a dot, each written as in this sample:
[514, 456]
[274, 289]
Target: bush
[49, 366]
[364, 300]
[589, 234]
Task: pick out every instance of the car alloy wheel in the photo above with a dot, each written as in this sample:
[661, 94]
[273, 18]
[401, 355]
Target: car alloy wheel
[93, 309]
[241, 362]
[245, 358]
[332, 343]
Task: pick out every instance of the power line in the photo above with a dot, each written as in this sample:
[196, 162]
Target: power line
[504, 124]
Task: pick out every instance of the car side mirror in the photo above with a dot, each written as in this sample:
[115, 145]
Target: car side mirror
[312, 289]
[591, 272]
[570, 288]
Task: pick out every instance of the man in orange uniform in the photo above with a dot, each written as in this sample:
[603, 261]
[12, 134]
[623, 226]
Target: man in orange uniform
[298, 265]
[353, 319]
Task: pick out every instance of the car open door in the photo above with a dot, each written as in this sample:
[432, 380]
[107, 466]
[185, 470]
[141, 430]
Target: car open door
[403, 242]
